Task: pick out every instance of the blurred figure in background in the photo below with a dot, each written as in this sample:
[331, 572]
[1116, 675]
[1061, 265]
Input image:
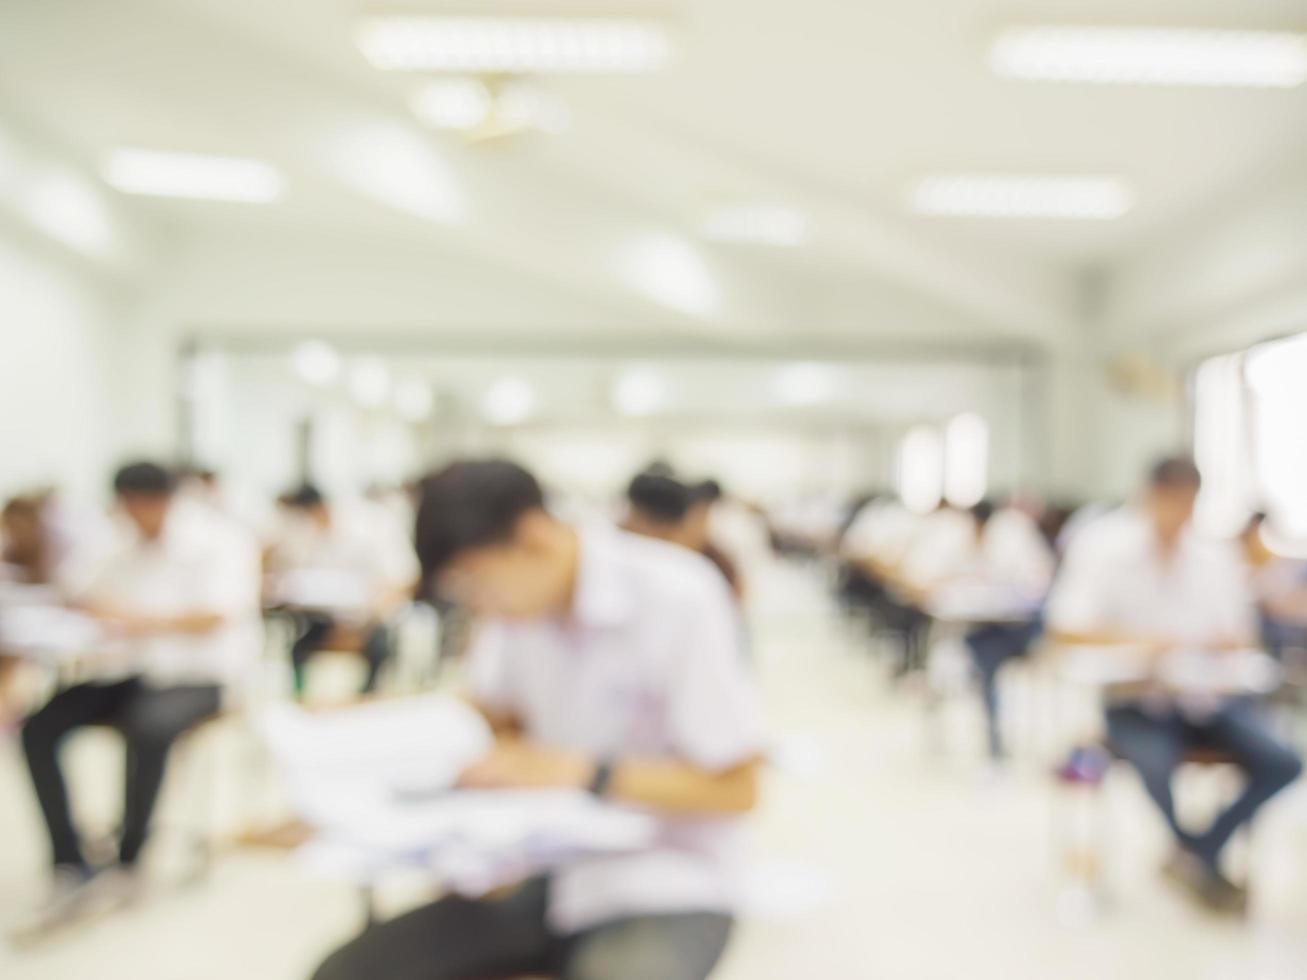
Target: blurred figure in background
[1279, 586]
[337, 568]
[182, 603]
[1142, 579]
[606, 663]
[661, 506]
[1000, 569]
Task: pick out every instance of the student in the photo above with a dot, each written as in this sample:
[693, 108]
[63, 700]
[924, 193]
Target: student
[358, 548]
[661, 506]
[184, 604]
[1009, 554]
[1279, 586]
[608, 663]
[1141, 576]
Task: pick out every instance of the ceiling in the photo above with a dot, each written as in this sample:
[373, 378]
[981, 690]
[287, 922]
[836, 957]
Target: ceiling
[829, 106]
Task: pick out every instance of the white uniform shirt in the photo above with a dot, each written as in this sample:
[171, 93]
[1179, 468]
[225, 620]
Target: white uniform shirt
[193, 567]
[648, 666]
[1114, 579]
[360, 556]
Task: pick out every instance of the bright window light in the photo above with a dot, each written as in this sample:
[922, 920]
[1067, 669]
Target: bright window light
[369, 382]
[315, 362]
[640, 392]
[413, 400]
[671, 271]
[192, 175]
[509, 401]
[804, 384]
[966, 460]
[760, 224]
[975, 195]
[1221, 446]
[1275, 373]
[921, 469]
[69, 209]
[1152, 56]
[517, 45]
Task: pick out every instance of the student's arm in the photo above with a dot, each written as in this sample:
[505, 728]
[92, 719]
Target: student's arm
[670, 785]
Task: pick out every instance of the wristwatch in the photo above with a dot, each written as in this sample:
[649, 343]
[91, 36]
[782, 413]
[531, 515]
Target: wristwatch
[603, 777]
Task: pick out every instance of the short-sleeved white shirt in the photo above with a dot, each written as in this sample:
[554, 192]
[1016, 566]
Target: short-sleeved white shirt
[1114, 579]
[197, 565]
[649, 665]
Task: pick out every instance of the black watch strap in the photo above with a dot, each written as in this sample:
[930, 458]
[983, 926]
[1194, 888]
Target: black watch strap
[602, 778]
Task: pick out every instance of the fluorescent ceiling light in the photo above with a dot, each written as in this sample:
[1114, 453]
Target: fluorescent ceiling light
[761, 224]
[514, 44]
[976, 195]
[414, 401]
[315, 362]
[71, 209]
[395, 165]
[670, 270]
[369, 382]
[509, 401]
[192, 175]
[640, 392]
[1152, 56]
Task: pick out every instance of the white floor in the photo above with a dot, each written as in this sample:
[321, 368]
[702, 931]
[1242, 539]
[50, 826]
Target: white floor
[886, 849]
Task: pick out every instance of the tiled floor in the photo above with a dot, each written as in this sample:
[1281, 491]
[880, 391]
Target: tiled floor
[886, 849]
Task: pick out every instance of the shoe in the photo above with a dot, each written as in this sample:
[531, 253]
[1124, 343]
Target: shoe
[1206, 884]
[116, 888]
[68, 902]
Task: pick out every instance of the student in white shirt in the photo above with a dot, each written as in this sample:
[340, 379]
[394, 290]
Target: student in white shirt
[1002, 553]
[362, 550]
[1142, 577]
[606, 662]
[183, 603]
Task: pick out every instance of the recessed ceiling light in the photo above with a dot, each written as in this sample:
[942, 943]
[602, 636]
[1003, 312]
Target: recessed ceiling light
[984, 196]
[639, 392]
[1152, 56]
[369, 382]
[760, 224]
[192, 175]
[509, 401]
[71, 209]
[453, 103]
[315, 362]
[804, 384]
[514, 44]
[414, 400]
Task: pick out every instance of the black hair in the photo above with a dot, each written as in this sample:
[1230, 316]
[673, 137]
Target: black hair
[981, 511]
[1175, 473]
[663, 498]
[467, 505]
[708, 491]
[304, 497]
[144, 479]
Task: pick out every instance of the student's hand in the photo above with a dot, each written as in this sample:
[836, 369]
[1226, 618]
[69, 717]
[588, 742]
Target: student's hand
[518, 764]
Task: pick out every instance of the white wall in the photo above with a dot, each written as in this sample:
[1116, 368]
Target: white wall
[58, 364]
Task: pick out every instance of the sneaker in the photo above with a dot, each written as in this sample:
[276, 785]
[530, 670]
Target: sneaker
[115, 888]
[68, 902]
[1206, 884]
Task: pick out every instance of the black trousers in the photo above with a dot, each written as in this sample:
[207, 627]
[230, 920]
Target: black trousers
[150, 719]
[1155, 743]
[464, 939]
[314, 628]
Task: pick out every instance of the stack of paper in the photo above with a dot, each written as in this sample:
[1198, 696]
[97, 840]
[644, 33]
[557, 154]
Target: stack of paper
[377, 785]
